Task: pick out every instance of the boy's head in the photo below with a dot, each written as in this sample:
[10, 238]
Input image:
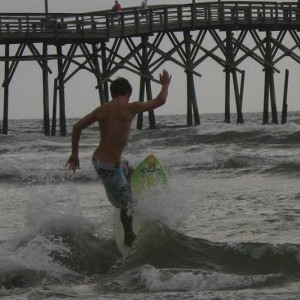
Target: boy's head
[120, 87]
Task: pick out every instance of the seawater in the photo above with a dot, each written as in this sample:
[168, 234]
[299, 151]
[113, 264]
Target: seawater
[227, 227]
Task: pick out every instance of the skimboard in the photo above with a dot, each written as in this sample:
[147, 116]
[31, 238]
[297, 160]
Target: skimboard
[147, 174]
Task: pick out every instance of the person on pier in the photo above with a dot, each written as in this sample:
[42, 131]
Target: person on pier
[144, 6]
[114, 119]
[116, 9]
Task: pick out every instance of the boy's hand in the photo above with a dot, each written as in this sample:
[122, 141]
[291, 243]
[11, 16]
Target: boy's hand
[165, 78]
[73, 163]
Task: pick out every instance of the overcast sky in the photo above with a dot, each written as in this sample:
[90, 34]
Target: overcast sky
[82, 97]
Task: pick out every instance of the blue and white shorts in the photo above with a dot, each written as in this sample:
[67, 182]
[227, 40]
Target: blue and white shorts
[116, 186]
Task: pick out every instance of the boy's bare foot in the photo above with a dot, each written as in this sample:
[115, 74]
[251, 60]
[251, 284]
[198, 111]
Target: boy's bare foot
[129, 238]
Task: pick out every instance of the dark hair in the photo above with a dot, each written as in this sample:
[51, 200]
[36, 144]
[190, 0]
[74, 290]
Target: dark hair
[120, 87]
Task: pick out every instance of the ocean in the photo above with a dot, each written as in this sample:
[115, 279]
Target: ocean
[226, 228]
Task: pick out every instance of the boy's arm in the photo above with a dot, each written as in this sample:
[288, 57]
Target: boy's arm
[86, 121]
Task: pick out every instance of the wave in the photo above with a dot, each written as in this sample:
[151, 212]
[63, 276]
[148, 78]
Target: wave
[212, 133]
[245, 137]
[166, 248]
[65, 249]
[34, 168]
[166, 260]
[218, 160]
[246, 148]
[289, 168]
[147, 278]
[61, 249]
[47, 178]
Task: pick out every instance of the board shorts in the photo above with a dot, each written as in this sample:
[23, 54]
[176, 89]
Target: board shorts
[116, 186]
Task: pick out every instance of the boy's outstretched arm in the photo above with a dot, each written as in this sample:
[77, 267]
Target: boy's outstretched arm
[86, 121]
[165, 79]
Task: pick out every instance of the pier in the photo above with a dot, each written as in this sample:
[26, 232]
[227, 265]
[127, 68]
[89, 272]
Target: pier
[104, 42]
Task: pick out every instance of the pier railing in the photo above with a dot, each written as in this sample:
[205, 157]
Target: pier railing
[134, 21]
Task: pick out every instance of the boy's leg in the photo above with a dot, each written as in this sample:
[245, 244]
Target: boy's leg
[127, 225]
[125, 218]
[106, 176]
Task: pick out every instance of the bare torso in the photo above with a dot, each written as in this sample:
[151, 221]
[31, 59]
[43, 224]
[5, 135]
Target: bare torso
[114, 120]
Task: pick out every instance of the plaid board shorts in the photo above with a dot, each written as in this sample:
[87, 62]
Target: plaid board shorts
[116, 186]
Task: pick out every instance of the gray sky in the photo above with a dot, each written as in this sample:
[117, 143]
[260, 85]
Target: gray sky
[82, 97]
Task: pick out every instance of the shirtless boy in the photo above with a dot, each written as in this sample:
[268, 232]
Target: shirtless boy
[114, 119]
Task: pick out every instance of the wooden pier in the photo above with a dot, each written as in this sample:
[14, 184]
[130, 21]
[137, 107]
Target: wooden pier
[103, 42]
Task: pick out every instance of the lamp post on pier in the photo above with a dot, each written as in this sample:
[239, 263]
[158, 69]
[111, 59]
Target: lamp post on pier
[46, 6]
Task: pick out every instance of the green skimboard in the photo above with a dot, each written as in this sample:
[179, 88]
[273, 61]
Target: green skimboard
[147, 174]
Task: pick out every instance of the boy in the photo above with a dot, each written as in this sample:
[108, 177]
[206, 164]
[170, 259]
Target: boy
[114, 119]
